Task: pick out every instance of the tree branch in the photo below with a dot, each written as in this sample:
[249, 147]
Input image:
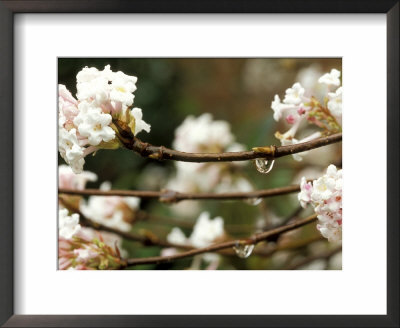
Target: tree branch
[170, 196]
[256, 238]
[298, 244]
[161, 153]
[143, 216]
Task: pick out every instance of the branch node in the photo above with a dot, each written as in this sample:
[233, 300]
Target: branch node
[141, 147]
[169, 196]
[269, 151]
[159, 155]
[150, 238]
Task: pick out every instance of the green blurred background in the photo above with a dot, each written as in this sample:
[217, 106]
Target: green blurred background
[236, 90]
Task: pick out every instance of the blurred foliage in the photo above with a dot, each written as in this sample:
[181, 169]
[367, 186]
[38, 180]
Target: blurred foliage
[236, 90]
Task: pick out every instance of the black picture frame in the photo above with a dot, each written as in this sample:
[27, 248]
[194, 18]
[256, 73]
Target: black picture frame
[11, 7]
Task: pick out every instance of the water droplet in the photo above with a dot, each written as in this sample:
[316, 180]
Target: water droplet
[263, 166]
[253, 201]
[243, 250]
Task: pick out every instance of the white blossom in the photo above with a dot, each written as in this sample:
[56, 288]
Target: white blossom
[298, 108]
[101, 97]
[122, 88]
[106, 86]
[305, 192]
[325, 195]
[70, 150]
[331, 78]
[294, 94]
[335, 102]
[280, 108]
[94, 124]
[140, 125]
[68, 226]
[92, 85]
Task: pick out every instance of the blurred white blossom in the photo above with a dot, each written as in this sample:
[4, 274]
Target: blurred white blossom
[203, 134]
[111, 211]
[69, 180]
[319, 264]
[335, 262]
[205, 232]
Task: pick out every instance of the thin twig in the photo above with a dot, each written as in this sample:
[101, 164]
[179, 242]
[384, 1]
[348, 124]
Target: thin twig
[270, 152]
[324, 256]
[256, 238]
[148, 239]
[170, 196]
[143, 216]
[298, 244]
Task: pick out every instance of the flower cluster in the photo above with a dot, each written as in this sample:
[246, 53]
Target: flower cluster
[203, 134]
[112, 211]
[325, 195]
[83, 248]
[86, 123]
[297, 107]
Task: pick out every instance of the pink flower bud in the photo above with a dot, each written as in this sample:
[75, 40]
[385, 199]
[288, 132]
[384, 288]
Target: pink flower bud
[290, 119]
[301, 111]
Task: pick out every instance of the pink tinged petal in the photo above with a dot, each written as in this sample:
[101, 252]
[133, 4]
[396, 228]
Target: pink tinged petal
[64, 263]
[66, 95]
[89, 150]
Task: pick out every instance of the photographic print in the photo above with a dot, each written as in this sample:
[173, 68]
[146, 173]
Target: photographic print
[200, 163]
